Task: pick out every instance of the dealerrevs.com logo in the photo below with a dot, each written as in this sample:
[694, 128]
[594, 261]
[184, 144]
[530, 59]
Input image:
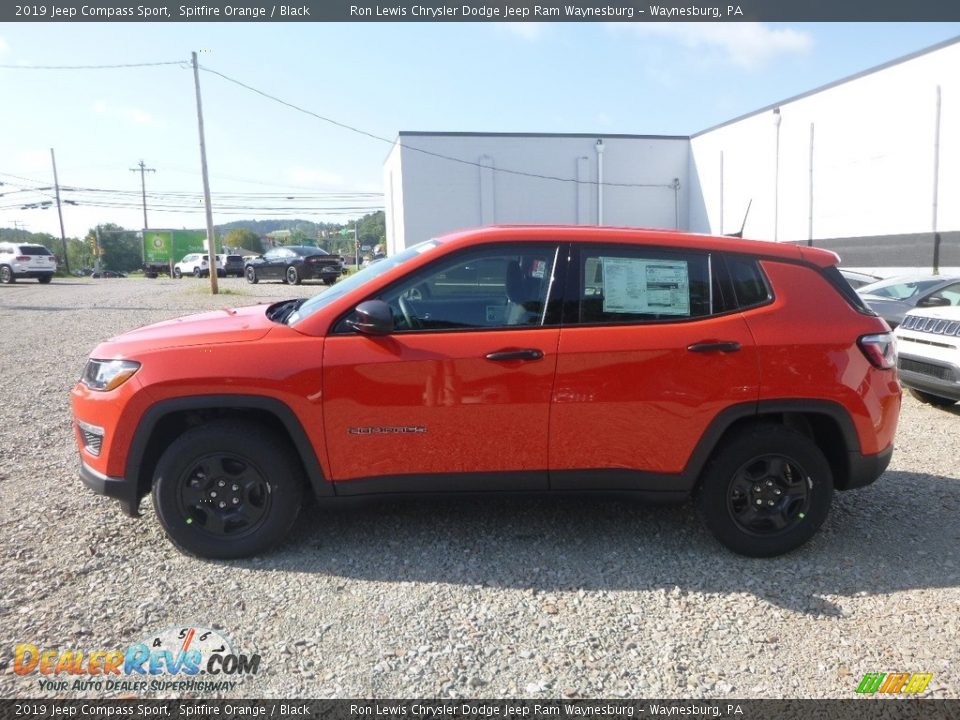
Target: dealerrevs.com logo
[894, 683]
[175, 659]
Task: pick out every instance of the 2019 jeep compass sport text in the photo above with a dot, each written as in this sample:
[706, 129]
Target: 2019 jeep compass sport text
[745, 374]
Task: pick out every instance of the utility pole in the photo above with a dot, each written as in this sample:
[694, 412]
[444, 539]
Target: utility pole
[143, 169]
[63, 235]
[936, 185]
[211, 240]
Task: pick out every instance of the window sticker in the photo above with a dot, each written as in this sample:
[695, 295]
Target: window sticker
[538, 268]
[634, 285]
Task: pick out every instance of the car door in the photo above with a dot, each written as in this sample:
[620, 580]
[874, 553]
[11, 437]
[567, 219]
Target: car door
[650, 352]
[272, 264]
[458, 396]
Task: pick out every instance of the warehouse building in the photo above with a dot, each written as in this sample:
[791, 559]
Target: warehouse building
[868, 165]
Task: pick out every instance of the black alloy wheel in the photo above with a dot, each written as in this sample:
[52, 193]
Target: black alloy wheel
[229, 488]
[766, 491]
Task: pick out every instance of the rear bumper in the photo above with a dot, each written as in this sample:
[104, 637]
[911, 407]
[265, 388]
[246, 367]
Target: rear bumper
[35, 274]
[865, 469]
[118, 488]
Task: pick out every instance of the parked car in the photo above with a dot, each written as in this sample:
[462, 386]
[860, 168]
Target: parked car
[19, 261]
[293, 263]
[513, 359]
[892, 298]
[858, 279]
[196, 264]
[107, 274]
[228, 265]
[928, 342]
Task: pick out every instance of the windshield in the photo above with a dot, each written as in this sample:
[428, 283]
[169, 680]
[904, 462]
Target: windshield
[899, 289]
[357, 280]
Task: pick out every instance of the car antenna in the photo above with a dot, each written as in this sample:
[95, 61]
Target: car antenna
[744, 225]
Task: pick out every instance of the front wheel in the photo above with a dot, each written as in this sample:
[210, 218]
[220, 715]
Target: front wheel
[929, 399]
[227, 489]
[292, 276]
[766, 492]
[177, 273]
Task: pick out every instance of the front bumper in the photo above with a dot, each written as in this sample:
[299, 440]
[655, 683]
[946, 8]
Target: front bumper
[118, 488]
[932, 376]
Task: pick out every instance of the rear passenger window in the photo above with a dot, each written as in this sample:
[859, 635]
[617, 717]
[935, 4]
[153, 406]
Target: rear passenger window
[627, 284]
[748, 281]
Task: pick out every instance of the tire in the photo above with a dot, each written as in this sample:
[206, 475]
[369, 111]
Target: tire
[243, 467]
[252, 276]
[291, 276]
[197, 272]
[329, 281]
[929, 399]
[6, 275]
[221, 274]
[177, 273]
[775, 466]
[45, 279]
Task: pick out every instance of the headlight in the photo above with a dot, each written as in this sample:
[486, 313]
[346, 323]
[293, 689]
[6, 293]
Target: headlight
[108, 374]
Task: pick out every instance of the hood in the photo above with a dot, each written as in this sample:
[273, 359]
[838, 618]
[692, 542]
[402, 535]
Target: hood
[210, 328]
[950, 312]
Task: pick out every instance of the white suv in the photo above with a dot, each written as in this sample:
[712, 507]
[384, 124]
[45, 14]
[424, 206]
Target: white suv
[26, 260]
[928, 346]
[196, 264]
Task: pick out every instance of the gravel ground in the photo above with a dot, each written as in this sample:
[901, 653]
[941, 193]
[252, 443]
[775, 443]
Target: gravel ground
[534, 598]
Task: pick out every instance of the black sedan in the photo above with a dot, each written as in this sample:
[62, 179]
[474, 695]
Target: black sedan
[894, 297]
[293, 263]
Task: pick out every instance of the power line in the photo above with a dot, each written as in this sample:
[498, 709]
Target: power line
[441, 156]
[92, 67]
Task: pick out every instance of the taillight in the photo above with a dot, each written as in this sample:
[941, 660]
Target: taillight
[23, 258]
[881, 350]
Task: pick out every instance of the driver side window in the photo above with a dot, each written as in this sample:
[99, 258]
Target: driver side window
[495, 287]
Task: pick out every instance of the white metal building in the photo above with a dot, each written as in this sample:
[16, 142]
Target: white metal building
[853, 159]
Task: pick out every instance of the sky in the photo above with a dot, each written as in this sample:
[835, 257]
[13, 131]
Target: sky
[378, 78]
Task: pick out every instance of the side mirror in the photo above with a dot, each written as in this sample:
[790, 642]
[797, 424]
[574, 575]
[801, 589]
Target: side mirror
[372, 317]
[934, 301]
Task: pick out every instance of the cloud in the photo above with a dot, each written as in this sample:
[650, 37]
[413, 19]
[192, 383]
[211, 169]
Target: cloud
[525, 30]
[314, 176]
[4, 48]
[134, 115]
[746, 45]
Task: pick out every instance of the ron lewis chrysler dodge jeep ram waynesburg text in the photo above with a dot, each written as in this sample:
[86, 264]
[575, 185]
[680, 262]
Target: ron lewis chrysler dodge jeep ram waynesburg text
[746, 374]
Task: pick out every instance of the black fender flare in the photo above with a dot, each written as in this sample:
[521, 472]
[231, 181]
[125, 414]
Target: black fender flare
[291, 423]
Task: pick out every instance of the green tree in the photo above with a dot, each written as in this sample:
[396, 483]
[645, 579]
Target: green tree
[120, 249]
[244, 238]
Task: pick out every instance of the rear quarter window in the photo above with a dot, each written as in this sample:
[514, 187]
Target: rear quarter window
[749, 283]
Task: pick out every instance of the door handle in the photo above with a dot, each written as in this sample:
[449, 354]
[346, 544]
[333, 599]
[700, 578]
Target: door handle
[725, 346]
[525, 354]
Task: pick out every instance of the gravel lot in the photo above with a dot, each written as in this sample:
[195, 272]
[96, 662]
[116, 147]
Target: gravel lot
[534, 598]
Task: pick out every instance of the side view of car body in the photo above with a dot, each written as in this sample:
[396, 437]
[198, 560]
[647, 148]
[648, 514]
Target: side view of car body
[19, 261]
[894, 297]
[560, 359]
[928, 342]
[196, 264]
[294, 263]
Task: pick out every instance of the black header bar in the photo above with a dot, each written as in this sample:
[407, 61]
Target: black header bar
[472, 11]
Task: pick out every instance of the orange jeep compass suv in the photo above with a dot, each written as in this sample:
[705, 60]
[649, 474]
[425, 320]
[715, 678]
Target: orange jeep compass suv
[746, 374]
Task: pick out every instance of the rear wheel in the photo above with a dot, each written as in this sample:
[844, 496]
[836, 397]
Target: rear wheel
[227, 489]
[45, 279]
[929, 399]
[766, 492]
[6, 275]
[292, 276]
[252, 276]
[197, 272]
